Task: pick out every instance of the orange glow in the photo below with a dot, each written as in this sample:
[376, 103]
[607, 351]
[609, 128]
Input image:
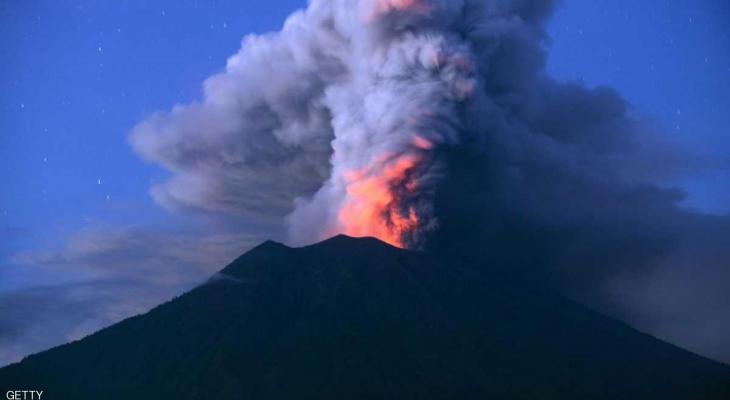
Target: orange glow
[373, 209]
[422, 143]
[386, 6]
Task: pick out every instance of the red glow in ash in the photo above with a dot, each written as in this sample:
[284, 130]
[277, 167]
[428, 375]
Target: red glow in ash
[373, 208]
[421, 143]
[385, 6]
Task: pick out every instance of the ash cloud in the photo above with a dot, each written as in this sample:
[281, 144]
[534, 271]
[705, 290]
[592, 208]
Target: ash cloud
[549, 181]
[110, 274]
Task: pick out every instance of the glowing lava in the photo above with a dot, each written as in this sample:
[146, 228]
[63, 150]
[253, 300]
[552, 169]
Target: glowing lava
[374, 205]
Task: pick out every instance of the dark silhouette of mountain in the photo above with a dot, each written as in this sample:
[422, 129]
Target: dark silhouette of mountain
[358, 319]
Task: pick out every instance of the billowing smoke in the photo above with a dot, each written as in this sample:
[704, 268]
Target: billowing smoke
[432, 123]
[336, 120]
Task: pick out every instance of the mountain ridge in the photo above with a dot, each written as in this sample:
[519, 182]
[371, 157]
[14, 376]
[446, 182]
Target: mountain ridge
[358, 318]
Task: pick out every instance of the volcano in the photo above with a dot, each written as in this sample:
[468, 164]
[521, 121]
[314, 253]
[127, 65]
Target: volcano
[360, 319]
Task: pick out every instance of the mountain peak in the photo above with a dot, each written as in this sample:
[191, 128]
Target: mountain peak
[337, 241]
[269, 244]
[342, 240]
[356, 318]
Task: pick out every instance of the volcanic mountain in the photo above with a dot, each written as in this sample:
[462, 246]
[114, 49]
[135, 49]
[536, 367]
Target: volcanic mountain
[359, 319]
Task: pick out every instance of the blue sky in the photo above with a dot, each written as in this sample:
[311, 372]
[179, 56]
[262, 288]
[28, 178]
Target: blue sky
[671, 62]
[78, 75]
[82, 75]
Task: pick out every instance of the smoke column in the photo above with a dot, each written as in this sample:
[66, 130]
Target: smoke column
[358, 95]
[433, 124]
[408, 76]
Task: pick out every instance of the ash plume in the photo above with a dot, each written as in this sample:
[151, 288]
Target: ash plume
[433, 124]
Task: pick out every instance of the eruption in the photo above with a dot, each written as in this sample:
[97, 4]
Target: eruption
[375, 204]
[392, 118]
[331, 107]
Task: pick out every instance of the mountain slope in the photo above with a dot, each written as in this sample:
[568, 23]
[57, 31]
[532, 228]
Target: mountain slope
[358, 319]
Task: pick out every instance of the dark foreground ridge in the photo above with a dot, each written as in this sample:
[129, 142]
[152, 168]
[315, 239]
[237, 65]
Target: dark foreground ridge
[358, 319]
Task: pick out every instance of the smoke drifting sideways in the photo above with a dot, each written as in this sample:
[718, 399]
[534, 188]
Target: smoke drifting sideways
[433, 124]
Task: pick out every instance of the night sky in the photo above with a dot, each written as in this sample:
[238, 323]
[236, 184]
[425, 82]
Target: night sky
[83, 244]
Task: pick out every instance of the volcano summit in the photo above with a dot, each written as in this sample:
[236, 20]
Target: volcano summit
[359, 319]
